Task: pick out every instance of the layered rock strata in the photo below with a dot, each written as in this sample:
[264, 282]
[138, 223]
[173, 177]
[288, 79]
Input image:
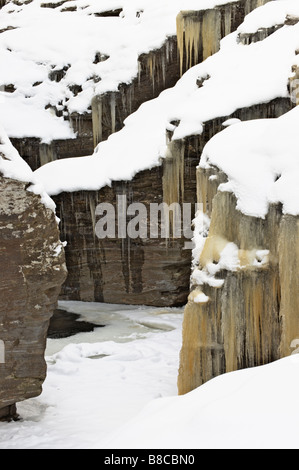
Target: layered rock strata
[243, 307]
[32, 271]
[153, 271]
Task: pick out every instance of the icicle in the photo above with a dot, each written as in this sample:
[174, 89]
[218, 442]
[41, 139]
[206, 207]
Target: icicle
[113, 112]
[151, 66]
[180, 38]
[46, 154]
[163, 66]
[131, 96]
[139, 72]
[167, 55]
[228, 19]
[97, 126]
[173, 178]
[92, 212]
[211, 33]
[294, 85]
[189, 36]
[288, 250]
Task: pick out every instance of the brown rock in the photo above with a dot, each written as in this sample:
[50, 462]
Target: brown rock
[32, 271]
[251, 318]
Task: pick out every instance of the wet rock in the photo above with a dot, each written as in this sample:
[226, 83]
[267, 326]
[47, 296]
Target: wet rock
[64, 324]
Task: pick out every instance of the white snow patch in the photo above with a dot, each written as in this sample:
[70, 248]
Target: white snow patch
[271, 14]
[247, 409]
[260, 159]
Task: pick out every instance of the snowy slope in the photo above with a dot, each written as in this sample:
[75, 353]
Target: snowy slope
[248, 409]
[36, 41]
[240, 76]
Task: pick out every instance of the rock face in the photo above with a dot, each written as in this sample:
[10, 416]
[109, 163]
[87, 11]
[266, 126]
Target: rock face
[252, 319]
[246, 314]
[122, 270]
[140, 271]
[32, 271]
[158, 70]
[148, 271]
[199, 32]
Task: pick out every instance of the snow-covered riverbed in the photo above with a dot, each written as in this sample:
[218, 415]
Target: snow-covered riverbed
[98, 381]
[115, 388]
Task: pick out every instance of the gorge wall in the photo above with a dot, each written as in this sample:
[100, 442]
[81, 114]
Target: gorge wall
[150, 271]
[32, 271]
[252, 318]
[242, 310]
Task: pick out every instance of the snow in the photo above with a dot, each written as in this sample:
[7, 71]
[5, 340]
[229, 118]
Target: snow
[260, 158]
[118, 391]
[41, 40]
[97, 381]
[271, 14]
[240, 76]
[201, 298]
[249, 409]
[14, 167]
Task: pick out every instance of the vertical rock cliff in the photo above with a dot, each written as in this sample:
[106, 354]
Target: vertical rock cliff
[243, 307]
[103, 270]
[151, 271]
[199, 32]
[32, 271]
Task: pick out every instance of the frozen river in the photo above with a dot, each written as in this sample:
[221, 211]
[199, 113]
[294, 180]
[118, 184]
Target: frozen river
[99, 381]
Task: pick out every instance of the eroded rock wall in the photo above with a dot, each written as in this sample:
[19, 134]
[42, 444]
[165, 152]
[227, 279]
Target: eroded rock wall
[140, 271]
[32, 271]
[151, 271]
[248, 315]
[199, 32]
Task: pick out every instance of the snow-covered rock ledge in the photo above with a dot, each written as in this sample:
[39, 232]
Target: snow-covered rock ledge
[243, 307]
